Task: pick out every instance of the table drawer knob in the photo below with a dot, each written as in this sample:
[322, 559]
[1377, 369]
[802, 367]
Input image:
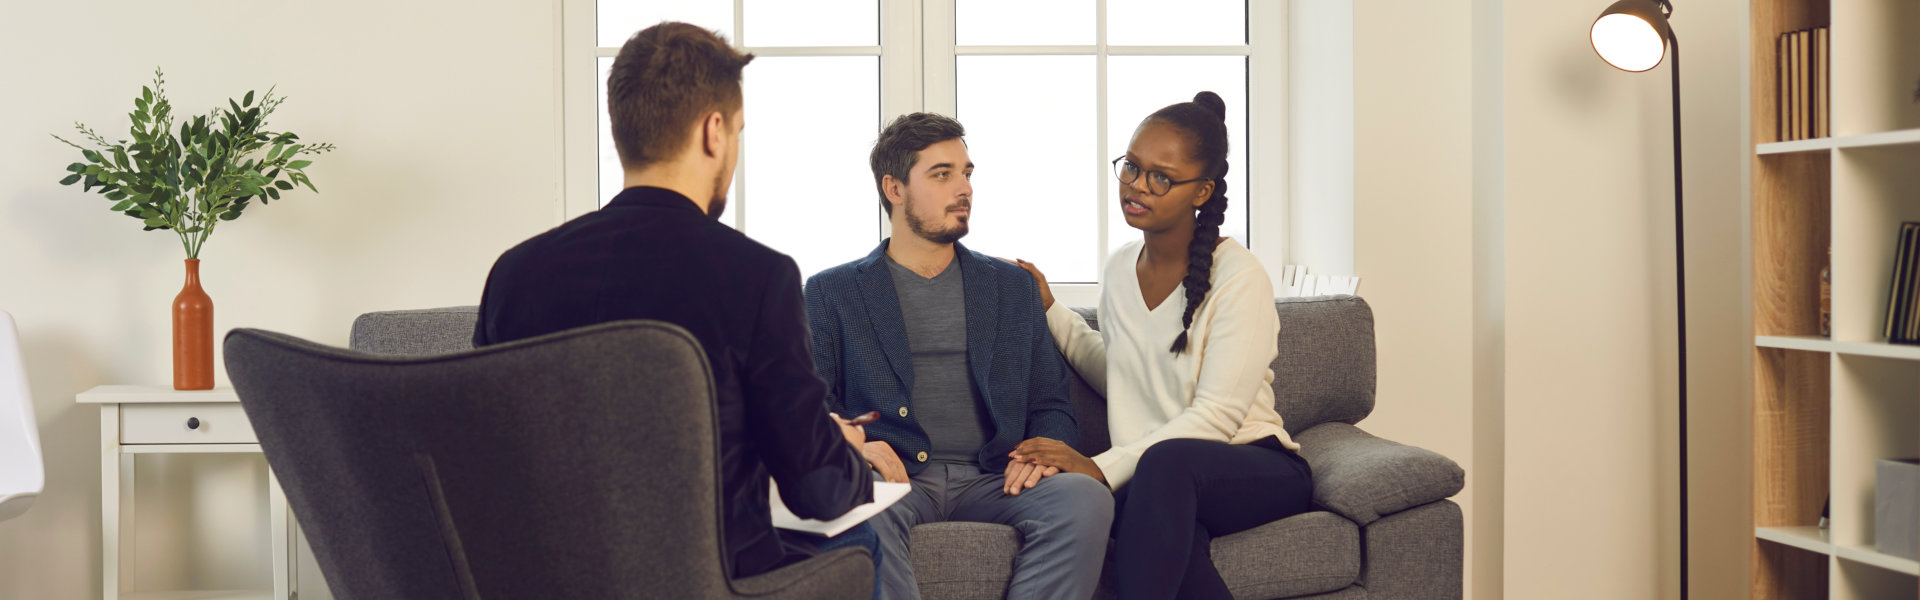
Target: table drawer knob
[193, 422]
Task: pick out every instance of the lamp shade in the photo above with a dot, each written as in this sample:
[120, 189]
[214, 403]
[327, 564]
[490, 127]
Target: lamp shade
[1631, 35]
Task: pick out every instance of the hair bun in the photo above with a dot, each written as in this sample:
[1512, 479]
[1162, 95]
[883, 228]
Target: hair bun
[1212, 103]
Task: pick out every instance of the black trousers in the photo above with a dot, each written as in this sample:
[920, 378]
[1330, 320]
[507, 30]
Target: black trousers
[1186, 492]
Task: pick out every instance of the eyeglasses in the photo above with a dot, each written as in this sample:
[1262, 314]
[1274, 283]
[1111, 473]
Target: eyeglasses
[1158, 183]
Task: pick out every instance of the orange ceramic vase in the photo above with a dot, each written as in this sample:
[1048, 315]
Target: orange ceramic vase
[192, 334]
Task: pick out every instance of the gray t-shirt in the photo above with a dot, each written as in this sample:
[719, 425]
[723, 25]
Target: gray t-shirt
[945, 399]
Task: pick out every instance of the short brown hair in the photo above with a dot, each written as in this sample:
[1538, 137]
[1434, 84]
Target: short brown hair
[900, 144]
[666, 77]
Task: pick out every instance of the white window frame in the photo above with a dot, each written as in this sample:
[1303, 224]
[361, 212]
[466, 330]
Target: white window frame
[917, 52]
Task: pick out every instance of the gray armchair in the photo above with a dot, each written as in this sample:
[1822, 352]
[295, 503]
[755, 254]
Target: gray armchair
[1385, 528]
[580, 464]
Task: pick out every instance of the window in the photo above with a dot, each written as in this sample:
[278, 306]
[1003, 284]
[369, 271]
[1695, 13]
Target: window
[1049, 92]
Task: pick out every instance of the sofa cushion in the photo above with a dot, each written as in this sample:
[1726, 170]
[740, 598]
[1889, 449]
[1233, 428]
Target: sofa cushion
[1325, 370]
[1308, 553]
[413, 332]
[1323, 373]
[1304, 554]
[960, 560]
[1089, 409]
[1363, 477]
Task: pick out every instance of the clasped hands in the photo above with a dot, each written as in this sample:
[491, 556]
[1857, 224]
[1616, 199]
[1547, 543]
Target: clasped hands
[1028, 463]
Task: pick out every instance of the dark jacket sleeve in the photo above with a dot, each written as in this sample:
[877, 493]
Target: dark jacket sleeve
[1049, 413]
[821, 476]
[825, 326]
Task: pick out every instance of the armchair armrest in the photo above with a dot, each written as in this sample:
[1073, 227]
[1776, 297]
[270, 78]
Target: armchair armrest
[1363, 477]
[838, 573]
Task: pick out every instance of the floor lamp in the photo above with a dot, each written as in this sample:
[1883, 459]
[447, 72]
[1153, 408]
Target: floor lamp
[1633, 35]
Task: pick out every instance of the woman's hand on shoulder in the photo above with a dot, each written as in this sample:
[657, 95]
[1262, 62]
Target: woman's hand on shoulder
[1046, 293]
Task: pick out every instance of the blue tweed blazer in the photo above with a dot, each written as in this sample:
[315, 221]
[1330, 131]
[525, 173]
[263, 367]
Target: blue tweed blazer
[860, 349]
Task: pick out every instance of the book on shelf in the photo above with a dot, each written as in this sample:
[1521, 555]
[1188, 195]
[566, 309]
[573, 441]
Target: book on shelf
[1822, 61]
[1799, 85]
[1910, 289]
[1802, 72]
[1783, 91]
[1903, 292]
[1793, 85]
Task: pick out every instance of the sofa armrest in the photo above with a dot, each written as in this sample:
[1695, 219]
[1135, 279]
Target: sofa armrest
[1363, 477]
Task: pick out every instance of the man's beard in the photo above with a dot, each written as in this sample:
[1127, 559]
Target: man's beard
[941, 236]
[718, 205]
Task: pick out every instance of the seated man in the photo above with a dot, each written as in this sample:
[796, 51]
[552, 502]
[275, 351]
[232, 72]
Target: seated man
[657, 251]
[953, 350]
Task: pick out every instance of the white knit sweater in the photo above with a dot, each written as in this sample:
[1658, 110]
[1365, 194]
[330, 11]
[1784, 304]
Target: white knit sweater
[1220, 389]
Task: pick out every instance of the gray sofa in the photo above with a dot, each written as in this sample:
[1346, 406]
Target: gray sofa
[1384, 529]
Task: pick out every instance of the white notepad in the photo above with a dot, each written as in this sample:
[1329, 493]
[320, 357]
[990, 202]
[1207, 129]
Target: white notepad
[884, 495]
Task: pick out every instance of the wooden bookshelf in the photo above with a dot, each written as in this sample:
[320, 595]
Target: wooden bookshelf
[1826, 408]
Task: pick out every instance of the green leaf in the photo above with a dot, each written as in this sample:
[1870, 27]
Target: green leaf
[117, 195]
[77, 168]
[123, 206]
[230, 215]
[92, 156]
[71, 179]
[249, 100]
[120, 158]
[146, 94]
[299, 164]
[273, 193]
[283, 184]
[156, 222]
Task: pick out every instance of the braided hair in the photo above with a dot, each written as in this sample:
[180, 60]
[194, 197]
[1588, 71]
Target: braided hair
[1204, 121]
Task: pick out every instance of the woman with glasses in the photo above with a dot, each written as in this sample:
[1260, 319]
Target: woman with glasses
[1188, 332]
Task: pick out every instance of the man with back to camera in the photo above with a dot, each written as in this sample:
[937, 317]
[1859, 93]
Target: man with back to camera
[657, 251]
[952, 348]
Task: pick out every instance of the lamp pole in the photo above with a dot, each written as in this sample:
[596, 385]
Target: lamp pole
[1623, 36]
[1680, 284]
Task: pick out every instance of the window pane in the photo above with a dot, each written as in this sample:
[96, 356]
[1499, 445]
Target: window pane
[1185, 23]
[1031, 131]
[809, 192]
[612, 177]
[1023, 22]
[620, 19]
[812, 23]
[1176, 79]
[610, 173]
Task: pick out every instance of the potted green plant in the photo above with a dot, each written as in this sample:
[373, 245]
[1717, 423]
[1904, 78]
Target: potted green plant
[187, 181]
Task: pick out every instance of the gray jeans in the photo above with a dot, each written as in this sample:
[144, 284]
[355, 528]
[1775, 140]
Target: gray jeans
[1063, 523]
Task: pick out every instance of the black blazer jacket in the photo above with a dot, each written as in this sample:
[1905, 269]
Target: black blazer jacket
[652, 254]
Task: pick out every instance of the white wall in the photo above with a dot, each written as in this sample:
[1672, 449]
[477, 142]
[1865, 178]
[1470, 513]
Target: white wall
[1513, 219]
[1320, 123]
[446, 117]
[1591, 427]
[1413, 218]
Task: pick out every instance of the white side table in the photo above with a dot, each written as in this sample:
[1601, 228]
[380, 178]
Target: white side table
[142, 419]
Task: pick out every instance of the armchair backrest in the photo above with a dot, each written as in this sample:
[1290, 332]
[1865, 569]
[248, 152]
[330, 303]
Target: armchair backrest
[485, 473]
